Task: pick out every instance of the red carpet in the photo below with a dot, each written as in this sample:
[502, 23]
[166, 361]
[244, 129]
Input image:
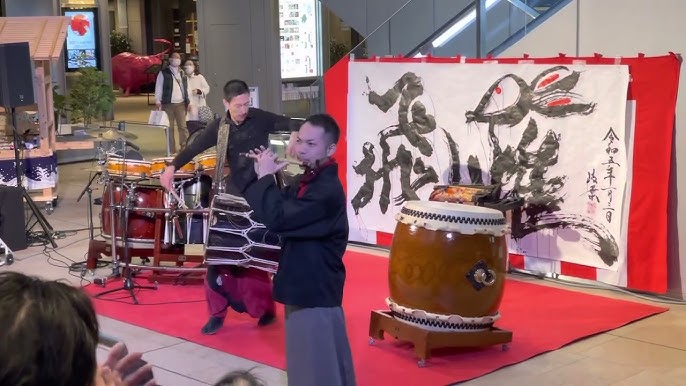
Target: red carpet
[542, 319]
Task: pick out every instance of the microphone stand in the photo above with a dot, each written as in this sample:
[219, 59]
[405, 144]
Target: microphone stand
[89, 208]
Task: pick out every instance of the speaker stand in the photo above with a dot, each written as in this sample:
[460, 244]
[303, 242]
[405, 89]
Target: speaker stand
[45, 225]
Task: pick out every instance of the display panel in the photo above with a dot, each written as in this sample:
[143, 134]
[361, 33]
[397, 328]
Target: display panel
[299, 22]
[82, 45]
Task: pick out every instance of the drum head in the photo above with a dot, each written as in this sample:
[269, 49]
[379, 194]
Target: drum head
[452, 217]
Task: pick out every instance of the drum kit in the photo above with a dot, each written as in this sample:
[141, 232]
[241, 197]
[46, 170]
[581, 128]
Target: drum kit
[192, 213]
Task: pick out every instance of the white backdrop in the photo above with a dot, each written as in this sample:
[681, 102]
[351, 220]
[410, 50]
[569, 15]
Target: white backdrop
[557, 136]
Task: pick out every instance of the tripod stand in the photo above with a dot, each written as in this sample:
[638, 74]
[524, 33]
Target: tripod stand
[19, 169]
[127, 200]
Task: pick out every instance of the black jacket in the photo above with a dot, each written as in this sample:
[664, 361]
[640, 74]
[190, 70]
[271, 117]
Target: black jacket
[310, 217]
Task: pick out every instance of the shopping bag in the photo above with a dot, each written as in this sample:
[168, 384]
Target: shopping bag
[158, 118]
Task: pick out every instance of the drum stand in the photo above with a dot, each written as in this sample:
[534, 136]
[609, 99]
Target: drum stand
[128, 285]
[426, 340]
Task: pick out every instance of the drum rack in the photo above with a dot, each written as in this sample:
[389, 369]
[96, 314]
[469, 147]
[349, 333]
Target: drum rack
[426, 340]
[158, 251]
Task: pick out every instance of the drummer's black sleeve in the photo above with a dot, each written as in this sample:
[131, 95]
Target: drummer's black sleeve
[283, 124]
[206, 140]
[304, 217]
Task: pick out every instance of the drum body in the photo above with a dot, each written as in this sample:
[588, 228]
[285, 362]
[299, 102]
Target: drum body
[140, 225]
[157, 166]
[196, 193]
[207, 162]
[236, 238]
[447, 265]
[128, 167]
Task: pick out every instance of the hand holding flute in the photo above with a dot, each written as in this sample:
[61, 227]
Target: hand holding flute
[266, 162]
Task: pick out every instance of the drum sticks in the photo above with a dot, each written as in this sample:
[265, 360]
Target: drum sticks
[279, 160]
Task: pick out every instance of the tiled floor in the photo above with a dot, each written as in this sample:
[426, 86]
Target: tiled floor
[648, 352]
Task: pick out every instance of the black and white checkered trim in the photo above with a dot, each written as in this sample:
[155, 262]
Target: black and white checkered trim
[453, 219]
[440, 324]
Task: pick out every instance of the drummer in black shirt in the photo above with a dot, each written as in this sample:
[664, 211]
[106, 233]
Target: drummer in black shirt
[243, 289]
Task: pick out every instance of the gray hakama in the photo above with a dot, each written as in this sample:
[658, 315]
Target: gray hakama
[317, 348]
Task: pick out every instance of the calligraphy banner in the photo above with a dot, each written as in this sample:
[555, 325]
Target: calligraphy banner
[554, 133]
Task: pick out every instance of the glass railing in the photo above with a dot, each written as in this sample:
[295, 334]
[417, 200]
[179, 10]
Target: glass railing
[471, 28]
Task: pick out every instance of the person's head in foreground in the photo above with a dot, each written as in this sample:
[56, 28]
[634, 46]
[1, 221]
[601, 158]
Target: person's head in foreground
[317, 139]
[239, 378]
[48, 333]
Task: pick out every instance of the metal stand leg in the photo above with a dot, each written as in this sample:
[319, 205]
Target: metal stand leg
[129, 285]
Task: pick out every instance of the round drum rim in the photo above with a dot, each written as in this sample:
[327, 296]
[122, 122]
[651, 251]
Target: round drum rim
[453, 217]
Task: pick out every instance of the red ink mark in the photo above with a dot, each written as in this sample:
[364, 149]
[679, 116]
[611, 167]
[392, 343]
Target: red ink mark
[591, 208]
[548, 80]
[498, 90]
[559, 102]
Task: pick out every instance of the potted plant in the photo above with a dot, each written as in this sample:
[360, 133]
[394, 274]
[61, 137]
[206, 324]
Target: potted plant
[119, 43]
[91, 96]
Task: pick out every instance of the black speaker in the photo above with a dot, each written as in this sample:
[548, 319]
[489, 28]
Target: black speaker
[16, 75]
[12, 220]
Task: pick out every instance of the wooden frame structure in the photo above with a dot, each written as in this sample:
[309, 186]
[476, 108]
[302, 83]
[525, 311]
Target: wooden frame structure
[46, 36]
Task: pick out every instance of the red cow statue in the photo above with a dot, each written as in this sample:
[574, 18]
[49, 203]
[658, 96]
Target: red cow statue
[128, 69]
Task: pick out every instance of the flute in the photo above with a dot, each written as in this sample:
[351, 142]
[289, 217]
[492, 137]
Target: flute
[278, 160]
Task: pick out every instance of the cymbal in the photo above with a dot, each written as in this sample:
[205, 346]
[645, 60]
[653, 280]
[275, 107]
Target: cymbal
[113, 135]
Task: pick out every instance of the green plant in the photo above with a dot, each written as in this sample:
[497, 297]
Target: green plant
[59, 102]
[119, 43]
[337, 51]
[90, 96]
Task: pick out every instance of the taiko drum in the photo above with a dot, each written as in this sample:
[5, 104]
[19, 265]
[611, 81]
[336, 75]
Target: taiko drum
[447, 259]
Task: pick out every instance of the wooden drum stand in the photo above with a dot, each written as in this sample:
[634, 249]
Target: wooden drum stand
[426, 340]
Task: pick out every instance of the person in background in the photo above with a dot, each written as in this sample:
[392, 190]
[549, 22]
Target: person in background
[171, 95]
[197, 89]
[310, 216]
[49, 334]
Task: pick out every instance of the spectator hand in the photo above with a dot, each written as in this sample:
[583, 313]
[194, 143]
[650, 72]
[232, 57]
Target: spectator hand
[126, 369]
[290, 149]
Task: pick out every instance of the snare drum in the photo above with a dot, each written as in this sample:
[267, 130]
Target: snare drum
[128, 167]
[447, 266]
[235, 238]
[158, 165]
[207, 162]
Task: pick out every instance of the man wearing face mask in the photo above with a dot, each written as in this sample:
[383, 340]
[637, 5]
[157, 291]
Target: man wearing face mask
[171, 95]
[243, 289]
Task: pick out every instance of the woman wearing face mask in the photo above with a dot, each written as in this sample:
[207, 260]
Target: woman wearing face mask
[198, 90]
